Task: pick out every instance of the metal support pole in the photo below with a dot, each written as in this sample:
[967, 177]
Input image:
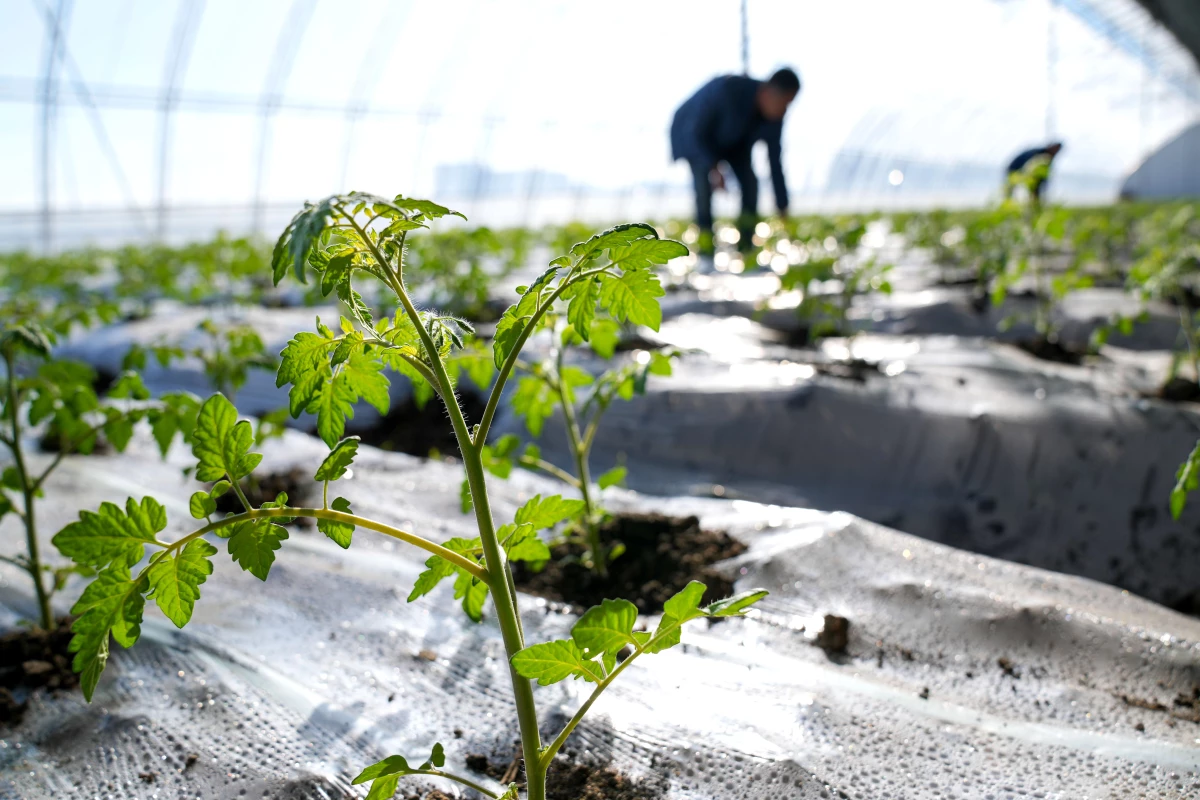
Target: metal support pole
[745, 38]
[49, 98]
[177, 58]
[1051, 70]
[282, 61]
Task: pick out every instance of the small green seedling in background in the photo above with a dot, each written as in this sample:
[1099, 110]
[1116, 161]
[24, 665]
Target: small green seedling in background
[342, 239]
[40, 390]
[581, 398]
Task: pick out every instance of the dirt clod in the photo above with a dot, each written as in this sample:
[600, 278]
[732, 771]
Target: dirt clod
[570, 779]
[835, 636]
[1180, 390]
[662, 555]
[1008, 668]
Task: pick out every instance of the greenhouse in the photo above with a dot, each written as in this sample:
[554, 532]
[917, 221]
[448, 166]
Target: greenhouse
[710, 400]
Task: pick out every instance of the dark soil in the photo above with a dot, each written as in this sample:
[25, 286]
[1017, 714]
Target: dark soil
[31, 658]
[662, 555]
[1185, 706]
[263, 488]
[571, 779]
[1048, 350]
[1180, 390]
[853, 369]
[420, 431]
[799, 337]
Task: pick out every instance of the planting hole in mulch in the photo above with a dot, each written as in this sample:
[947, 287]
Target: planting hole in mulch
[662, 554]
[420, 431]
[1180, 390]
[573, 779]
[1051, 350]
[31, 658]
[297, 483]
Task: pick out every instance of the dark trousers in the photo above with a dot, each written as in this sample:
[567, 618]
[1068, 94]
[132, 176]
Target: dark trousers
[747, 181]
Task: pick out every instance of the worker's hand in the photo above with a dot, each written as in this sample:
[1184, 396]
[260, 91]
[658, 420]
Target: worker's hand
[717, 178]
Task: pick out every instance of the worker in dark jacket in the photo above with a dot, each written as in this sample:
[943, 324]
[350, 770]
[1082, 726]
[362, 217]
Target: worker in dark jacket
[720, 124]
[1031, 168]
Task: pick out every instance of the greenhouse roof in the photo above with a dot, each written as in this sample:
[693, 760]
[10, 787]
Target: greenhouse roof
[1181, 17]
[171, 118]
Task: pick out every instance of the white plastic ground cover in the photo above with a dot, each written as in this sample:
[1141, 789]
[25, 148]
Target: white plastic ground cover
[285, 689]
[962, 441]
[919, 307]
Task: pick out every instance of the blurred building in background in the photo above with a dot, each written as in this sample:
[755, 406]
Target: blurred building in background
[138, 119]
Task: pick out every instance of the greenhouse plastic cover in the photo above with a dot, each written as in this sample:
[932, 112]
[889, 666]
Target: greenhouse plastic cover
[172, 118]
[965, 676]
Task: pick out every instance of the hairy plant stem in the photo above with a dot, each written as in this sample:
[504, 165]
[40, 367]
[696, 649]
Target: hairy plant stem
[498, 578]
[28, 489]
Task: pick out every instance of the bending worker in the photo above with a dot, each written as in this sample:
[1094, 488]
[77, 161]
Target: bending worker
[1031, 169]
[718, 125]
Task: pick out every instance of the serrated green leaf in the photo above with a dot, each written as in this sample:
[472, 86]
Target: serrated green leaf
[606, 628]
[111, 604]
[733, 606]
[509, 328]
[613, 237]
[682, 607]
[338, 461]
[614, 477]
[119, 430]
[605, 336]
[438, 569]
[425, 209]
[473, 593]
[645, 253]
[112, 536]
[202, 505]
[339, 532]
[633, 298]
[1187, 479]
[221, 442]
[581, 311]
[547, 512]
[550, 662]
[253, 544]
[175, 579]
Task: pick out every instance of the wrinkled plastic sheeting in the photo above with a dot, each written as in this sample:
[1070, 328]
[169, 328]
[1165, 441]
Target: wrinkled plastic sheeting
[286, 689]
[920, 306]
[965, 442]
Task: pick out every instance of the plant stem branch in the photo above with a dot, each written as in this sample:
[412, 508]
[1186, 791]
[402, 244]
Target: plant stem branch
[437, 773]
[547, 467]
[348, 519]
[27, 492]
[64, 450]
[493, 403]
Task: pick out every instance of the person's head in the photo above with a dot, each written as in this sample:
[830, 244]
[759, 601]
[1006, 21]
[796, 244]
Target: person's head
[1053, 149]
[777, 93]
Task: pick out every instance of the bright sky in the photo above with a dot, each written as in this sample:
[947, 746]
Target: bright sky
[582, 88]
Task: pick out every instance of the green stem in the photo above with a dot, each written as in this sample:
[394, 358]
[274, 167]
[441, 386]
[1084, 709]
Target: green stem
[579, 453]
[27, 493]
[497, 576]
[493, 403]
[552, 749]
[338, 516]
[547, 467]
[437, 773]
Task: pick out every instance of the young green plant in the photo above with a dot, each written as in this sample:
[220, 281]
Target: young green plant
[581, 399]
[41, 390]
[341, 239]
